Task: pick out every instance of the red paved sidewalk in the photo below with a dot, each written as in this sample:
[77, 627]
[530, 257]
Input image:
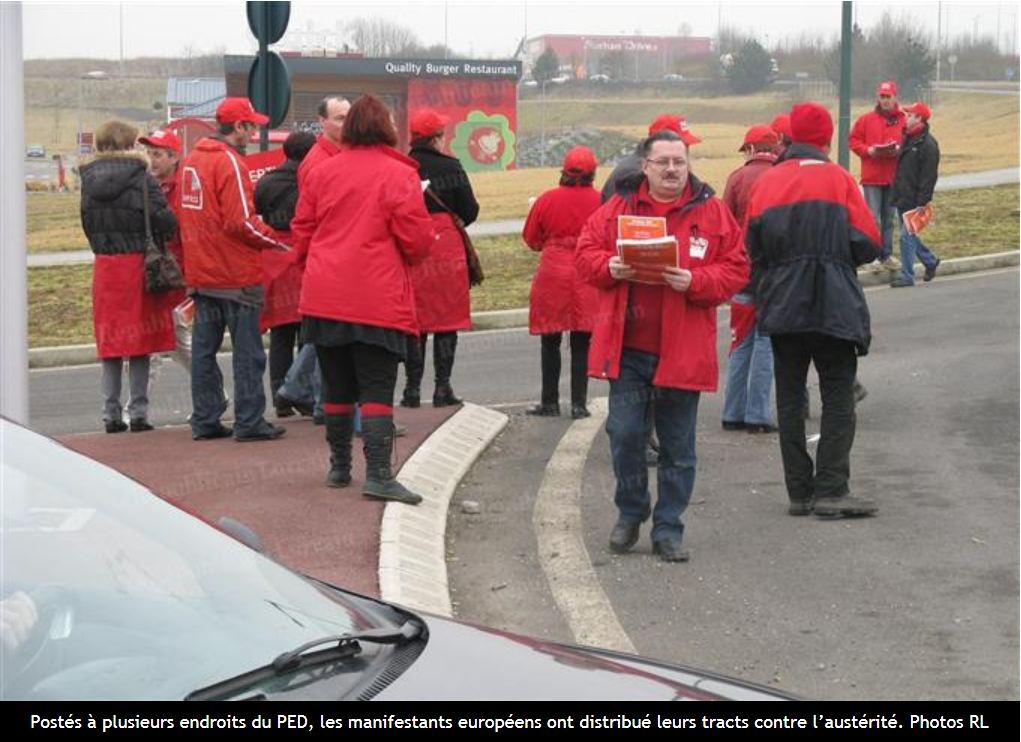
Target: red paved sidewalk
[275, 487]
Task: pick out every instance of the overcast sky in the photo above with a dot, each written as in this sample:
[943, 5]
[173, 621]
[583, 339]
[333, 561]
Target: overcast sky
[480, 28]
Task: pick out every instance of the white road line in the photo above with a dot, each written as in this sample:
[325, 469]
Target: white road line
[562, 553]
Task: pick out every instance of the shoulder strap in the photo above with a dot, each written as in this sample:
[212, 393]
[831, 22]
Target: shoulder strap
[433, 195]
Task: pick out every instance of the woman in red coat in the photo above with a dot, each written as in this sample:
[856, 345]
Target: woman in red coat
[441, 280]
[560, 301]
[362, 223]
[128, 322]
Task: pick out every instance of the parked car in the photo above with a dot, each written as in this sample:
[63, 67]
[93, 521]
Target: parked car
[559, 79]
[673, 77]
[599, 78]
[112, 593]
[36, 150]
[530, 84]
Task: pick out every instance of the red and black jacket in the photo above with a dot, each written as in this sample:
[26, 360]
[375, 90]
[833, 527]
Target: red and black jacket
[808, 230]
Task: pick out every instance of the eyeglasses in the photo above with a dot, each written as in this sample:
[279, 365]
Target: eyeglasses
[666, 162]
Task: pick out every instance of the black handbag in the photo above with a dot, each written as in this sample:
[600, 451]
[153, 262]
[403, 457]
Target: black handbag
[471, 255]
[162, 273]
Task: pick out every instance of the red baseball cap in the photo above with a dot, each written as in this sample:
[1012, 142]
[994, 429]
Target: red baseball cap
[580, 160]
[759, 134]
[677, 124]
[919, 109]
[888, 87]
[426, 122]
[233, 110]
[781, 124]
[162, 139]
[811, 123]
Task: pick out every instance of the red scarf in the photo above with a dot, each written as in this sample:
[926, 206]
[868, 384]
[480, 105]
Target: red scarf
[915, 130]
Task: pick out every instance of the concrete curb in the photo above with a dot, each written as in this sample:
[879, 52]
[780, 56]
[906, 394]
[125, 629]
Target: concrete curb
[80, 355]
[412, 540]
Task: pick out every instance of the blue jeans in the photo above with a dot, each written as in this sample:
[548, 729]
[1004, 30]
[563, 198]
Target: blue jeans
[674, 412]
[303, 382]
[750, 380]
[212, 317]
[880, 203]
[910, 246]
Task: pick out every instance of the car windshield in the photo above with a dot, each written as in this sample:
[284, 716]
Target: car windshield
[130, 596]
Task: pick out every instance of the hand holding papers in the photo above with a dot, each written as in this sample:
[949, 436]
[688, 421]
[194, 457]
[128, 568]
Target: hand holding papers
[645, 248]
[917, 219]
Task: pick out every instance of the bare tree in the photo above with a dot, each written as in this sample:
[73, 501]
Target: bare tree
[376, 37]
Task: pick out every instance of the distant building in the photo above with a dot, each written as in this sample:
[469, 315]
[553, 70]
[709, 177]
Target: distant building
[479, 97]
[619, 57]
[194, 97]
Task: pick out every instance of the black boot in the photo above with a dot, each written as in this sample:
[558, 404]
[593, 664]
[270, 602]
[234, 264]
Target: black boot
[378, 441]
[444, 348]
[339, 429]
[414, 367]
[579, 375]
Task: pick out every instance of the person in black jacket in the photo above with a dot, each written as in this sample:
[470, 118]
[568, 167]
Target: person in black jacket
[128, 322]
[276, 193]
[275, 197]
[809, 228]
[441, 283]
[917, 170]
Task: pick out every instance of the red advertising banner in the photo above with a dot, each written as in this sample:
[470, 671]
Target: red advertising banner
[483, 118]
[260, 163]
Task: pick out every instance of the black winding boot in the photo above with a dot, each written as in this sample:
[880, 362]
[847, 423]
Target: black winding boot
[444, 348]
[339, 430]
[378, 441]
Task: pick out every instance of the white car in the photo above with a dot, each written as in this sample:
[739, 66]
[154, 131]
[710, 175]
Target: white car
[559, 79]
[599, 78]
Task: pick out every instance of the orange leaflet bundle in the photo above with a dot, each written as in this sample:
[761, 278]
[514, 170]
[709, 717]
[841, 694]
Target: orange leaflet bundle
[641, 227]
[917, 219]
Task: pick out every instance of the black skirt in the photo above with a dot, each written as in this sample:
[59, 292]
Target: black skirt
[336, 334]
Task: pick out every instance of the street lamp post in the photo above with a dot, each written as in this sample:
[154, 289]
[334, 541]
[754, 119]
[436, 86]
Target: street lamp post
[542, 140]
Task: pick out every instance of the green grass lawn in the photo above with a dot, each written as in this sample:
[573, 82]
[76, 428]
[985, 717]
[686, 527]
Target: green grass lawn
[969, 222]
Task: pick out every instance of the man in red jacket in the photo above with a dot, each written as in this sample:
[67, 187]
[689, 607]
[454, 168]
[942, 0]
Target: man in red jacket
[748, 395]
[657, 341]
[223, 238]
[876, 138]
[332, 114]
[808, 229]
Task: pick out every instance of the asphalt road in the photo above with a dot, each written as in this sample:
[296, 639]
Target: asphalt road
[920, 602]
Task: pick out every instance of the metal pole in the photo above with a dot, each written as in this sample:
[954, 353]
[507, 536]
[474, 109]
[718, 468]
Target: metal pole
[843, 155]
[264, 62]
[446, 37]
[939, 38]
[13, 260]
[542, 141]
[81, 95]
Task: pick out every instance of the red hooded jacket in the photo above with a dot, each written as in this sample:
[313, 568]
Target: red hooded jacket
[221, 234]
[560, 301]
[688, 328]
[872, 128]
[360, 222]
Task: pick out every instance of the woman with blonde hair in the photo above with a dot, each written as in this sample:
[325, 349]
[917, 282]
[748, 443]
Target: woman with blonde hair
[128, 322]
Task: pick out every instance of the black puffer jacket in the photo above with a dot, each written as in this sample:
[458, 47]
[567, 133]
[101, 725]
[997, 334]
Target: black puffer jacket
[276, 195]
[808, 230]
[449, 181]
[112, 207]
[917, 171]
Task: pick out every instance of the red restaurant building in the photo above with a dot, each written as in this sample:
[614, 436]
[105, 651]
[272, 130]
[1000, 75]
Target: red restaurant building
[478, 96]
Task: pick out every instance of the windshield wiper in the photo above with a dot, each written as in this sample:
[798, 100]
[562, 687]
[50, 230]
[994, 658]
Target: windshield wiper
[344, 647]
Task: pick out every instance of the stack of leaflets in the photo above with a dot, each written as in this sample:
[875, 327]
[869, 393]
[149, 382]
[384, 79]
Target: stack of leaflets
[643, 244]
[917, 219]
